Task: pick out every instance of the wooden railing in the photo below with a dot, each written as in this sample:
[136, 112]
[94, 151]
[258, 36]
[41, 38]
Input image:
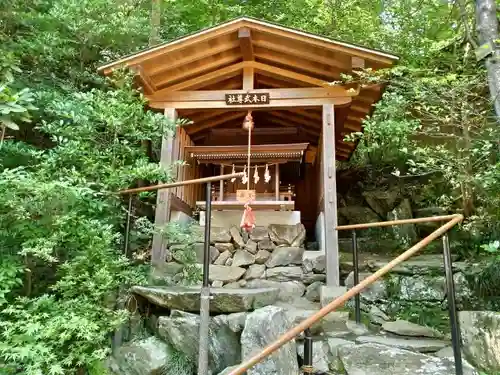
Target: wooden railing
[452, 220]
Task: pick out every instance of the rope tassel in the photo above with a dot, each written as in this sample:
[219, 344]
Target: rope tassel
[248, 218]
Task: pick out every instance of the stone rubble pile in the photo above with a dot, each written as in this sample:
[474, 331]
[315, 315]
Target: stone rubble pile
[267, 257]
[341, 347]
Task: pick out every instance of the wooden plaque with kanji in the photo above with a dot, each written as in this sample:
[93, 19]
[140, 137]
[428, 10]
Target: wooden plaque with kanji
[247, 99]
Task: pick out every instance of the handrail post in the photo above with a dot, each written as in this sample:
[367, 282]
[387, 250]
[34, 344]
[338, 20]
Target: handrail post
[205, 290]
[450, 293]
[307, 367]
[127, 225]
[357, 298]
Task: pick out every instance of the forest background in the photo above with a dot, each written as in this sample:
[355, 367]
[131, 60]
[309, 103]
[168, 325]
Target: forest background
[70, 139]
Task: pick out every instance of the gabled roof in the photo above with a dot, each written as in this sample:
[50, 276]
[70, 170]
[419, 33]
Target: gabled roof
[245, 21]
[220, 57]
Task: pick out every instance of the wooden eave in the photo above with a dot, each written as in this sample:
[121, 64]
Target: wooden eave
[193, 73]
[263, 153]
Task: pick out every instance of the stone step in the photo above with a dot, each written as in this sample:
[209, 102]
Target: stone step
[223, 300]
[421, 345]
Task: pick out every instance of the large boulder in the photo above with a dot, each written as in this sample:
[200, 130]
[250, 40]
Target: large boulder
[358, 214]
[371, 359]
[407, 233]
[288, 235]
[227, 274]
[243, 258]
[288, 290]
[481, 338]
[259, 234]
[255, 271]
[262, 256]
[422, 288]
[222, 247]
[320, 359]
[314, 261]
[237, 239]
[219, 235]
[382, 201]
[182, 331]
[266, 244]
[375, 292]
[421, 345]
[285, 256]
[224, 300]
[285, 273]
[262, 327]
[144, 357]
[405, 328]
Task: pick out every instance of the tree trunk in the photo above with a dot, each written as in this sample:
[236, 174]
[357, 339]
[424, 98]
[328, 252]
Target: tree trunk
[154, 36]
[487, 27]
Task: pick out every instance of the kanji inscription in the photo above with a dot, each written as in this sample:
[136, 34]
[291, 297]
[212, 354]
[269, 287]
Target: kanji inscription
[247, 99]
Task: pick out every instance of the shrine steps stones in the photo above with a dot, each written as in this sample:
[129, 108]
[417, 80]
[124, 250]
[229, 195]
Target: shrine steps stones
[272, 256]
[222, 300]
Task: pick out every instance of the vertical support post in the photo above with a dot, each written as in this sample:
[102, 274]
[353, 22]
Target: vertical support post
[277, 182]
[330, 196]
[248, 78]
[450, 293]
[307, 367]
[162, 214]
[127, 225]
[355, 262]
[221, 184]
[205, 290]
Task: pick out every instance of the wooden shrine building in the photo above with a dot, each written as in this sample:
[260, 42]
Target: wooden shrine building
[285, 77]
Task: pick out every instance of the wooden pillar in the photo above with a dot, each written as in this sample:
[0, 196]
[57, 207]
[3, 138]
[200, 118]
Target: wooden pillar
[221, 184]
[162, 214]
[277, 182]
[330, 196]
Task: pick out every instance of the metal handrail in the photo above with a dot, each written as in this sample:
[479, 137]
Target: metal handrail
[182, 183]
[340, 301]
[205, 290]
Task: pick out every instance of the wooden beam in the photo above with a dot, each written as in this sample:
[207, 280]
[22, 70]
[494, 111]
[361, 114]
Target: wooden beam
[357, 62]
[276, 103]
[323, 43]
[277, 181]
[162, 214]
[297, 63]
[192, 129]
[248, 79]
[221, 184]
[307, 114]
[330, 196]
[233, 83]
[200, 55]
[246, 46]
[255, 132]
[167, 95]
[301, 53]
[190, 72]
[266, 69]
[206, 79]
[171, 47]
[296, 121]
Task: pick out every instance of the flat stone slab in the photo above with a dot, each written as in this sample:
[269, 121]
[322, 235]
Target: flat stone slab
[223, 300]
[416, 345]
[373, 359]
[405, 328]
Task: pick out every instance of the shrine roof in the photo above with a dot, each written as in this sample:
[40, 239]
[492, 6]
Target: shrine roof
[299, 71]
[262, 153]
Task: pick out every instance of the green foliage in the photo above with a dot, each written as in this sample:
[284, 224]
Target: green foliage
[185, 234]
[61, 223]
